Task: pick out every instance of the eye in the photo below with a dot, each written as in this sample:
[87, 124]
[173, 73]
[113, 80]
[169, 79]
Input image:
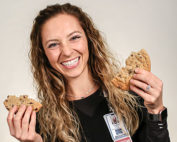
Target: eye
[75, 37]
[53, 45]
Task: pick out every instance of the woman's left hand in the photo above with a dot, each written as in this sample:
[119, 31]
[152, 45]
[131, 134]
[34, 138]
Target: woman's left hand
[149, 87]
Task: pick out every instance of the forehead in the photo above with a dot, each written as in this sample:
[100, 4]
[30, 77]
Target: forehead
[61, 24]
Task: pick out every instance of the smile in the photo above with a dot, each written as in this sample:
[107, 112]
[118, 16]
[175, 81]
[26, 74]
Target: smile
[72, 63]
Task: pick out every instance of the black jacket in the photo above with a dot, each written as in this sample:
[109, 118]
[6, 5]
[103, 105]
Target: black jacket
[91, 110]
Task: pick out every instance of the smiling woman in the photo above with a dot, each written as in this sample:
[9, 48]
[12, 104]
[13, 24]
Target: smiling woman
[73, 70]
[65, 45]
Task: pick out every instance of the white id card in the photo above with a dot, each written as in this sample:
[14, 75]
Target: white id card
[118, 130]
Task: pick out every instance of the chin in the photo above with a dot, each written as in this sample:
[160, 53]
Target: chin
[72, 74]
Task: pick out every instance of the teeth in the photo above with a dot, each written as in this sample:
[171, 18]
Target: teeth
[70, 63]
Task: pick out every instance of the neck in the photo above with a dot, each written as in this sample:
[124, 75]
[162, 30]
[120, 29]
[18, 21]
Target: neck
[81, 86]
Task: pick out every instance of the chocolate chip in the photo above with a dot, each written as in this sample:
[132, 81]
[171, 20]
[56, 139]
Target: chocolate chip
[129, 71]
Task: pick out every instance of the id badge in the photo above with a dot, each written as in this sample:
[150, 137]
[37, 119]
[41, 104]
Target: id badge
[117, 129]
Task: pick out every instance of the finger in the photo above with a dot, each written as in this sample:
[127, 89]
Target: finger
[141, 85]
[10, 120]
[145, 72]
[25, 120]
[32, 124]
[152, 80]
[140, 92]
[140, 71]
[145, 77]
[18, 121]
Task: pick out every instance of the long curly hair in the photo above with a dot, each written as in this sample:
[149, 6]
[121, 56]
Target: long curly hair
[57, 119]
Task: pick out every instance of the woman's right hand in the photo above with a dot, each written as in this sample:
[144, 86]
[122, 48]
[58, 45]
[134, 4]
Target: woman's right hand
[22, 124]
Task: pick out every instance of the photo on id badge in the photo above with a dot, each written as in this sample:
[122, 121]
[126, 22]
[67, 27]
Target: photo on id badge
[115, 123]
[121, 133]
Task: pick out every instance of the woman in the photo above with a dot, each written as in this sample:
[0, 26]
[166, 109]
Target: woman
[73, 70]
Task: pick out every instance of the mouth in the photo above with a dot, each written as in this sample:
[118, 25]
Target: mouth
[72, 63]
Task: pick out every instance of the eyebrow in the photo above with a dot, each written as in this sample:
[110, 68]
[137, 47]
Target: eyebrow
[73, 33]
[67, 36]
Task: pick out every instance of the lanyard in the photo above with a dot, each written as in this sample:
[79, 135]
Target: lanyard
[117, 128]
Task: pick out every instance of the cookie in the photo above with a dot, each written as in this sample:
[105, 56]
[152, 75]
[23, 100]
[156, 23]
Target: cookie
[18, 101]
[139, 59]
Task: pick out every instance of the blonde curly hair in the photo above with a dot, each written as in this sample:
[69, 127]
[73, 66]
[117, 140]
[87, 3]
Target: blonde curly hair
[57, 119]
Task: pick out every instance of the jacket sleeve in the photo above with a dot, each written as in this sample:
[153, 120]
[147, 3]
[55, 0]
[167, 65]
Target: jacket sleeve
[149, 130]
[157, 131]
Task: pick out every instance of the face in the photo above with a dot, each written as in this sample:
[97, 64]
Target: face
[65, 45]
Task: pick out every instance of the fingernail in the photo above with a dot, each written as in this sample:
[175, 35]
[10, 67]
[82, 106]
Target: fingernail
[23, 106]
[136, 70]
[14, 107]
[29, 107]
[34, 113]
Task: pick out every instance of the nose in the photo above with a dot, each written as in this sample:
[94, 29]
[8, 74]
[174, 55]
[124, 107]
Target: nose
[66, 49]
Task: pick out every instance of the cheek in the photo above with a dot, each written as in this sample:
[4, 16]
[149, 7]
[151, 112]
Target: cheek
[85, 54]
[52, 56]
[83, 48]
